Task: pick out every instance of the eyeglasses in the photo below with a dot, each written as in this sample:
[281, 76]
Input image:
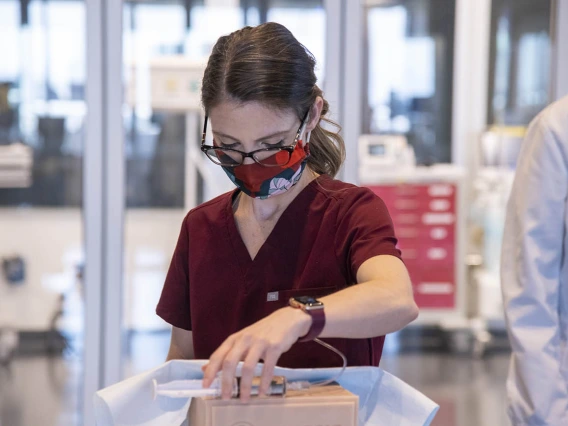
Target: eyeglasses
[268, 157]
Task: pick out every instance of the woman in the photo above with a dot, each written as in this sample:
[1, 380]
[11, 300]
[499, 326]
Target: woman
[288, 230]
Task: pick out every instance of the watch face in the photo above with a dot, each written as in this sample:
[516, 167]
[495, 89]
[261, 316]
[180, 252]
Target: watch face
[305, 300]
[308, 301]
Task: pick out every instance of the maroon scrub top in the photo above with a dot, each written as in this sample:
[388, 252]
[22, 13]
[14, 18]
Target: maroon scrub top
[215, 289]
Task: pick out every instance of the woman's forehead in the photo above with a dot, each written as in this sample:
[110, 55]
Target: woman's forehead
[249, 113]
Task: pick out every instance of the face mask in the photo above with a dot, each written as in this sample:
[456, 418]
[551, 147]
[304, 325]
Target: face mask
[263, 182]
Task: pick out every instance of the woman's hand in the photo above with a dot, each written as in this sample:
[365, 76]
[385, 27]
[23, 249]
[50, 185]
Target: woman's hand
[266, 339]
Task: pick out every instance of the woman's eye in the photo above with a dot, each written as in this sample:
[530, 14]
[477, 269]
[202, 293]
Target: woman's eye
[275, 145]
[228, 145]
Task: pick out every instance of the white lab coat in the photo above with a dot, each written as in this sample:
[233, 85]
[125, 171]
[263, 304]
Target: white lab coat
[534, 274]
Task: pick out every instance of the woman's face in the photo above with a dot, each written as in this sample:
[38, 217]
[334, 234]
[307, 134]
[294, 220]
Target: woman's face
[251, 126]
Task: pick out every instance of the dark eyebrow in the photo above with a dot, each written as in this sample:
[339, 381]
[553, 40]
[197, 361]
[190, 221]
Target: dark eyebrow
[281, 132]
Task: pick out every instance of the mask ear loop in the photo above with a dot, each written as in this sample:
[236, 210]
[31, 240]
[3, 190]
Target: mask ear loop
[303, 129]
[308, 134]
[307, 144]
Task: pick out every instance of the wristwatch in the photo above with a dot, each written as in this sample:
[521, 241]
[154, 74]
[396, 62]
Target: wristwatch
[314, 308]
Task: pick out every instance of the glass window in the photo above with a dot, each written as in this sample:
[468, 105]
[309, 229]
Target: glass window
[10, 36]
[42, 75]
[294, 16]
[154, 139]
[42, 112]
[410, 46]
[520, 55]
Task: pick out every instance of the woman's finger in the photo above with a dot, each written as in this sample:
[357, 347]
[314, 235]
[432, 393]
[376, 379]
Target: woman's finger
[229, 365]
[216, 361]
[248, 369]
[271, 357]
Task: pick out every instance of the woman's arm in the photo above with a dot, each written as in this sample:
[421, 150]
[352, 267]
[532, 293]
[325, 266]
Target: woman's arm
[381, 303]
[181, 345]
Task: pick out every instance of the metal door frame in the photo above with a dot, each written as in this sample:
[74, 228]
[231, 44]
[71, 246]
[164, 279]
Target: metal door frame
[559, 18]
[103, 192]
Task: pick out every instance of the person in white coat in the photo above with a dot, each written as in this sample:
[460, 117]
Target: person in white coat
[534, 274]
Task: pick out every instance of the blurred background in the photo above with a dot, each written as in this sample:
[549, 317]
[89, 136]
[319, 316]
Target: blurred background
[99, 163]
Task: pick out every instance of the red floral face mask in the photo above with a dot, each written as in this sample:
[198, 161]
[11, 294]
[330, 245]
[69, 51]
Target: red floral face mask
[262, 182]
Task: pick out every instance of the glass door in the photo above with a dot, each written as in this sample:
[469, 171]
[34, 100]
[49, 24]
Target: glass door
[520, 61]
[409, 70]
[42, 129]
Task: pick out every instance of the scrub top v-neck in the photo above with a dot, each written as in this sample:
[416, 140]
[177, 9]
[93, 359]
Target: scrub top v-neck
[275, 239]
[215, 289]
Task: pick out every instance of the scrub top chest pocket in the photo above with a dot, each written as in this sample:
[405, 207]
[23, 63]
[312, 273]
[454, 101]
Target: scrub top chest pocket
[279, 299]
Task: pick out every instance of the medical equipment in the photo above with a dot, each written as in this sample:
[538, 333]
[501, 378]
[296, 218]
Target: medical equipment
[175, 87]
[326, 405]
[278, 385]
[14, 269]
[383, 399]
[194, 388]
[289, 402]
[428, 207]
[384, 152]
[500, 146]
[9, 339]
[16, 162]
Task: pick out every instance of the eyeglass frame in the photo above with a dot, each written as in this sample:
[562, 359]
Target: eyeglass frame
[290, 148]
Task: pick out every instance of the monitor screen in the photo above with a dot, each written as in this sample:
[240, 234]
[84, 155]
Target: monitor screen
[377, 149]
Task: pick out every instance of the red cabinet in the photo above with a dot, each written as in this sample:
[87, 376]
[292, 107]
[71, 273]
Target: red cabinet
[424, 217]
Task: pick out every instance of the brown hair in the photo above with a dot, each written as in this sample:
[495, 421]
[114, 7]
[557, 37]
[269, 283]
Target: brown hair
[267, 64]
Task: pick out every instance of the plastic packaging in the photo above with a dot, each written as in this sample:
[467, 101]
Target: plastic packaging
[194, 388]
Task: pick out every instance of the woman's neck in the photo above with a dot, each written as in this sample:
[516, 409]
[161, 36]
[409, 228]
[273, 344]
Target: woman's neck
[271, 208]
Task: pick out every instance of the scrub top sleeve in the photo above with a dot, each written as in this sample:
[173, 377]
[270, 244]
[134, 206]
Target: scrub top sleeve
[364, 230]
[530, 278]
[173, 306]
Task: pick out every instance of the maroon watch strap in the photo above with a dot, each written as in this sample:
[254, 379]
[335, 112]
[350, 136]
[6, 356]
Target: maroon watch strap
[318, 323]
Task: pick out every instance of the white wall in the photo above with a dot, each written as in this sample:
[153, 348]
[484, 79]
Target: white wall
[48, 240]
[51, 242]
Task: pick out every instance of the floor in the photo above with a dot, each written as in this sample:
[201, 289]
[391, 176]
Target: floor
[469, 392]
[38, 390]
